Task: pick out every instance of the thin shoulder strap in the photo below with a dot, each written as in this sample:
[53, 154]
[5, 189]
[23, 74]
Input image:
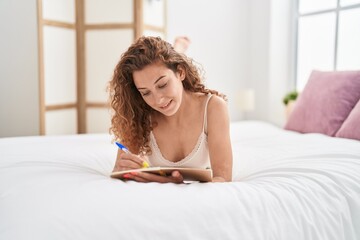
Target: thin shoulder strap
[205, 113]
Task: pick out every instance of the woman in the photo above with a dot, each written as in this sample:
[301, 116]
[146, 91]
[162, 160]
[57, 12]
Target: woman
[165, 115]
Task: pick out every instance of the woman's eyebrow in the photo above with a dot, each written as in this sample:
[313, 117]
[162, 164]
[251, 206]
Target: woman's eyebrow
[154, 82]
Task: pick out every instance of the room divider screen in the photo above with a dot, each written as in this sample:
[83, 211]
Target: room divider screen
[80, 42]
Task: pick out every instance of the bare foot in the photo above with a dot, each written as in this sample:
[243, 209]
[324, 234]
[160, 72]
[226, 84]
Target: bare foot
[181, 44]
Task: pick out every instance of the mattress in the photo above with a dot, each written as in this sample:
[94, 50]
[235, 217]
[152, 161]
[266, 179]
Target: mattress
[285, 185]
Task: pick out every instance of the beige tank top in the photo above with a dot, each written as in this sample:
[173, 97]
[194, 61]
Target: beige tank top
[198, 157]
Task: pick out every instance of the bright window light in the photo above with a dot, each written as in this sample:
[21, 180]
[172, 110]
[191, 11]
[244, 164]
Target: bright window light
[328, 37]
[348, 57]
[348, 2]
[315, 45]
[306, 6]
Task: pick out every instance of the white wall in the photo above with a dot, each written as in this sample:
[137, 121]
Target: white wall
[271, 54]
[19, 87]
[259, 57]
[241, 44]
[219, 32]
[281, 57]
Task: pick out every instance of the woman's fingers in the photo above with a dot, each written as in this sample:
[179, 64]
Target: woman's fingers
[175, 177]
[128, 161]
[127, 164]
[132, 157]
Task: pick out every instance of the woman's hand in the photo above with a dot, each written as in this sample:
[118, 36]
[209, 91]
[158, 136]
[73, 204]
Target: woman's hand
[175, 177]
[127, 161]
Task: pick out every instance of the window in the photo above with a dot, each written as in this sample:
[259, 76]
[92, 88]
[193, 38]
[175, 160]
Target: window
[328, 37]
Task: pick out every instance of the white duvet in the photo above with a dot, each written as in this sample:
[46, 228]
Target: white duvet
[286, 186]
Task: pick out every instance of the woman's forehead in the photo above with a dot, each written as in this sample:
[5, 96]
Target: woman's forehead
[150, 74]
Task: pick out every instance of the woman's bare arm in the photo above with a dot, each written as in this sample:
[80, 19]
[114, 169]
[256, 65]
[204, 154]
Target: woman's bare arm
[218, 128]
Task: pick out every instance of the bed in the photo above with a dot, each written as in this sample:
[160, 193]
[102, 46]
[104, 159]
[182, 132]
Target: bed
[286, 185]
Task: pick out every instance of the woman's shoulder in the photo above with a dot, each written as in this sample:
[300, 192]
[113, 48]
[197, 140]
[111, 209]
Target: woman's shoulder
[217, 114]
[217, 108]
[216, 103]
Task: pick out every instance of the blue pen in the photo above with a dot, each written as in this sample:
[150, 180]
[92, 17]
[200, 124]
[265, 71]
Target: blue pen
[122, 147]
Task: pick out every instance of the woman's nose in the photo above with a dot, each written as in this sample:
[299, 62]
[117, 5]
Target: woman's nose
[159, 99]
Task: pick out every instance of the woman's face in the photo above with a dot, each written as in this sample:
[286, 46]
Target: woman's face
[160, 87]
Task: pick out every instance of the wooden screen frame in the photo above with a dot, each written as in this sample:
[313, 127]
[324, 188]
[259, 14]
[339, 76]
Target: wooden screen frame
[80, 27]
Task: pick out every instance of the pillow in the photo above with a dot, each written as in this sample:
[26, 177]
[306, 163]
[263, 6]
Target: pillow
[325, 102]
[351, 127]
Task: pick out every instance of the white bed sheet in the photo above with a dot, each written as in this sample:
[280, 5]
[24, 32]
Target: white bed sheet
[286, 186]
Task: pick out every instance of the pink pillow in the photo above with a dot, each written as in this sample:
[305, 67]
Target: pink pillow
[325, 103]
[351, 127]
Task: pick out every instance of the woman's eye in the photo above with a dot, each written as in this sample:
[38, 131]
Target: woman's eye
[162, 86]
[145, 93]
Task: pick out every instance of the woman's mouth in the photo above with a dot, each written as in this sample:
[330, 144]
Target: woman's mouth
[166, 105]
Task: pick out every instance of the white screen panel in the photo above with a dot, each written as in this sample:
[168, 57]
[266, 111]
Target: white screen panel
[316, 44]
[154, 34]
[306, 6]
[59, 65]
[98, 120]
[154, 12]
[60, 122]
[109, 11]
[348, 2]
[103, 51]
[59, 10]
[348, 57]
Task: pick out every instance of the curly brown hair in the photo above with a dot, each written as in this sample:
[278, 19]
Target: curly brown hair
[131, 123]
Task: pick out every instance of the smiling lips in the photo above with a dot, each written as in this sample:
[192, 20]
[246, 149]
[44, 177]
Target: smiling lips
[165, 106]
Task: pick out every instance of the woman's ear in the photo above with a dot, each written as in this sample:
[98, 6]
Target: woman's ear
[181, 72]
